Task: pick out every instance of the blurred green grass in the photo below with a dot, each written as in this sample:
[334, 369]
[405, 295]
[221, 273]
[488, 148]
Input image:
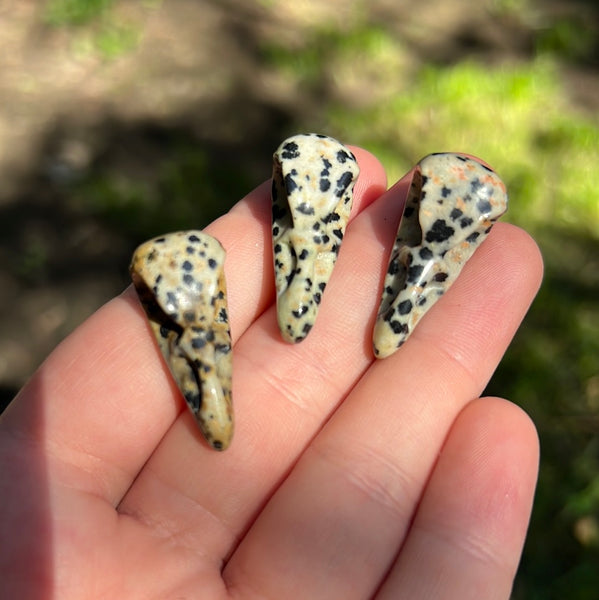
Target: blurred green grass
[514, 114]
[108, 37]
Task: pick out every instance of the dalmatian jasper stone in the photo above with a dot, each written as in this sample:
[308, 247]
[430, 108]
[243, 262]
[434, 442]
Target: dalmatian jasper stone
[312, 191]
[180, 281]
[452, 203]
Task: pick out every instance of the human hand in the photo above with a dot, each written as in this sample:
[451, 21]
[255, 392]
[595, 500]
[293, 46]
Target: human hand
[347, 477]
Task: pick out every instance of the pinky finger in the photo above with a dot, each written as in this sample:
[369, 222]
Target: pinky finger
[467, 535]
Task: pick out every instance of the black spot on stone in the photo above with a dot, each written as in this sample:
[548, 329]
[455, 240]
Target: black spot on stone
[189, 316]
[316, 226]
[277, 248]
[398, 327]
[445, 191]
[325, 239]
[343, 156]
[465, 222]
[414, 273]
[194, 400]
[473, 237]
[325, 184]
[158, 278]
[298, 314]
[327, 167]
[210, 335]
[305, 208]
[190, 249]
[475, 185]
[338, 233]
[332, 216]
[290, 150]
[222, 315]
[343, 182]
[440, 277]
[317, 297]
[187, 266]
[198, 343]
[303, 254]
[462, 158]
[439, 232]
[404, 307]
[483, 206]
[393, 267]
[306, 328]
[409, 211]
[212, 263]
[321, 286]
[164, 331]
[316, 239]
[425, 253]
[456, 213]
[217, 444]
[193, 238]
[222, 348]
[421, 301]
[189, 280]
[290, 185]
[389, 290]
[160, 240]
[275, 231]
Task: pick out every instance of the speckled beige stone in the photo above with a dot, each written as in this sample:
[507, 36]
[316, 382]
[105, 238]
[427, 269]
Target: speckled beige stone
[452, 204]
[180, 281]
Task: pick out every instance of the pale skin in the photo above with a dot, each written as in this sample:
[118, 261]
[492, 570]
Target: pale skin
[347, 477]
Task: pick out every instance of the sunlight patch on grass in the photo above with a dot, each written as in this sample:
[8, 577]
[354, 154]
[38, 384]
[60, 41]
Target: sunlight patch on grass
[513, 117]
[95, 28]
[74, 12]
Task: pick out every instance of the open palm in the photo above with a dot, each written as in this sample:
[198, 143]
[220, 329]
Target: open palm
[347, 477]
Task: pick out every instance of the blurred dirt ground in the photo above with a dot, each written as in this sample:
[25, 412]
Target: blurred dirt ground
[195, 78]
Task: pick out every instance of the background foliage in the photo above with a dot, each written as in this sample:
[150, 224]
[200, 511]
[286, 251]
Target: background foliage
[184, 122]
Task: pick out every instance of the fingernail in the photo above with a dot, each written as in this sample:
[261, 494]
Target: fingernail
[312, 192]
[451, 206]
[180, 282]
